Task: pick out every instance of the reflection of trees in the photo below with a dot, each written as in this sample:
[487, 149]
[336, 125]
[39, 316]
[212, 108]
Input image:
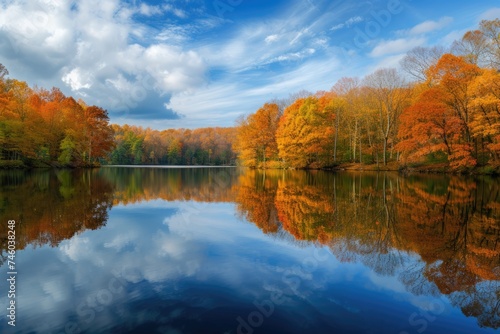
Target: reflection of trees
[255, 198]
[452, 223]
[378, 219]
[349, 214]
[455, 229]
[53, 205]
[134, 185]
[302, 209]
[481, 301]
[50, 206]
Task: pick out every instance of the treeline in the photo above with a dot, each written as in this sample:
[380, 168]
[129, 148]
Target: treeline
[448, 113]
[205, 146]
[44, 127]
[40, 127]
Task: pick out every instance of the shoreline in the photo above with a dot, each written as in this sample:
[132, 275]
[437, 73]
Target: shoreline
[25, 167]
[493, 170]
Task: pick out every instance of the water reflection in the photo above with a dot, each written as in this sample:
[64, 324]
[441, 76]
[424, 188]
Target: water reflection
[132, 185]
[51, 206]
[172, 243]
[452, 223]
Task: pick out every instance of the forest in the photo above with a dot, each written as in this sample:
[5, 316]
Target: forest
[440, 110]
[41, 128]
[205, 146]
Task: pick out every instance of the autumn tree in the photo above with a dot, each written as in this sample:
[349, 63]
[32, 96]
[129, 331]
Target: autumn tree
[389, 97]
[473, 47]
[428, 127]
[419, 59]
[485, 105]
[339, 104]
[303, 135]
[491, 31]
[204, 146]
[454, 77]
[45, 127]
[482, 46]
[256, 138]
[97, 133]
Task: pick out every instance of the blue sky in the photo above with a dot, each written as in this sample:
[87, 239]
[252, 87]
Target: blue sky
[196, 63]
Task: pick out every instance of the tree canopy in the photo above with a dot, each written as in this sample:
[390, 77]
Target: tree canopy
[443, 108]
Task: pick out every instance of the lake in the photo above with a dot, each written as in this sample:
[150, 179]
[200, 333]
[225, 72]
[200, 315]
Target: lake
[227, 250]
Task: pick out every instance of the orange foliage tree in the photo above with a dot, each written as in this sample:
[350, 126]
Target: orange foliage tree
[303, 135]
[429, 126]
[41, 126]
[256, 136]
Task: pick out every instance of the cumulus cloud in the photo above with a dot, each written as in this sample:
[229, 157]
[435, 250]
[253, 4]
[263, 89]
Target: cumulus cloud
[88, 47]
[110, 54]
[77, 79]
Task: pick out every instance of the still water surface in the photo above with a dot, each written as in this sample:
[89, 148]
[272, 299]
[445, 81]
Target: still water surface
[152, 250]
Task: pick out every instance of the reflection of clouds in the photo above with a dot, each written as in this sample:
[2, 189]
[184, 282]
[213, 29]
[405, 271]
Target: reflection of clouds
[170, 246]
[76, 248]
[193, 267]
[384, 282]
[119, 242]
[56, 289]
[422, 293]
[204, 221]
[136, 246]
[142, 248]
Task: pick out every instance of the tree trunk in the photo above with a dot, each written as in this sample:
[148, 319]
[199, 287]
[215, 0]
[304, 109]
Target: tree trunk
[90, 150]
[355, 140]
[385, 151]
[360, 152]
[335, 142]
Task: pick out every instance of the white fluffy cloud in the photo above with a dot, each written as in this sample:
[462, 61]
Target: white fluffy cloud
[77, 79]
[89, 47]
